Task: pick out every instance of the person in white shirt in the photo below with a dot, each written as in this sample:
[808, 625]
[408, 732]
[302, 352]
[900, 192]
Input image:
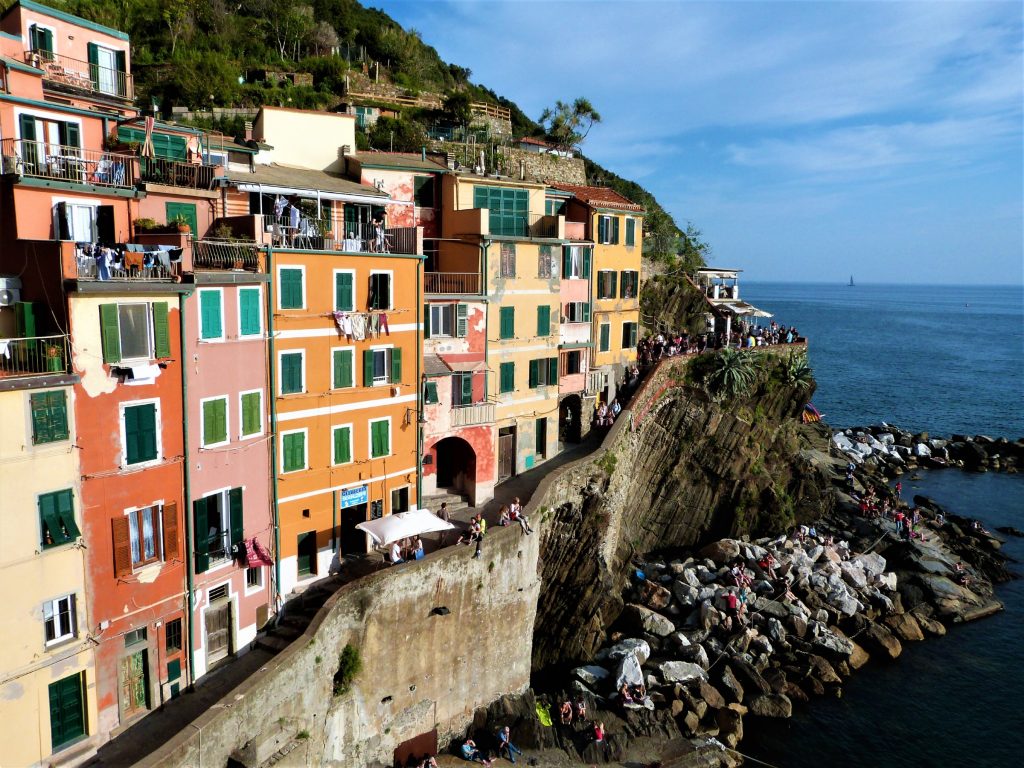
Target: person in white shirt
[396, 554]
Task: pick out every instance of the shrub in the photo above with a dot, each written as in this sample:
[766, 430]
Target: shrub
[350, 664]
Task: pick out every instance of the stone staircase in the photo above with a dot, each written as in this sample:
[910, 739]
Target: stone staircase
[457, 502]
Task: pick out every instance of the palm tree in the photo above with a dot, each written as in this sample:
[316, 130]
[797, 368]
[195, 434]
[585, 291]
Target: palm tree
[796, 370]
[731, 373]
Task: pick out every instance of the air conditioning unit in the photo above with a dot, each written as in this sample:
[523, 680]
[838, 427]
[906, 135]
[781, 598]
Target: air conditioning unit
[10, 291]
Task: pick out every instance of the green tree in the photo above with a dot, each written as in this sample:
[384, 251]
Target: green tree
[730, 373]
[393, 135]
[567, 125]
[456, 108]
[180, 18]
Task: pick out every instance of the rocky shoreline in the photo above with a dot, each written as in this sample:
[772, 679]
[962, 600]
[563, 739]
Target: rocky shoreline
[850, 589]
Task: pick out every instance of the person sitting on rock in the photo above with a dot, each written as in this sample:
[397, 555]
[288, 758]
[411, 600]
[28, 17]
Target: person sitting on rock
[767, 564]
[566, 712]
[599, 738]
[472, 754]
[581, 708]
[503, 516]
[505, 745]
[625, 694]
[731, 609]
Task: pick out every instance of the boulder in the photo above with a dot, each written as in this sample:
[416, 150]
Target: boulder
[640, 648]
[905, 626]
[853, 574]
[771, 705]
[878, 638]
[686, 593]
[872, 563]
[822, 670]
[629, 672]
[776, 631]
[922, 450]
[710, 694]
[695, 654]
[730, 723]
[886, 581]
[722, 552]
[732, 687]
[590, 674]
[647, 620]
[799, 623]
[833, 643]
[749, 676]
[654, 596]
[681, 671]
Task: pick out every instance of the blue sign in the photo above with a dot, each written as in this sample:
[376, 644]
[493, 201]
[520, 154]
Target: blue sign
[352, 497]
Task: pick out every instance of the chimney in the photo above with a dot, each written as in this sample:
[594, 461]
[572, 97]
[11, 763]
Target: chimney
[522, 170]
[483, 168]
[248, 130]
[346, 150]
[450, 160]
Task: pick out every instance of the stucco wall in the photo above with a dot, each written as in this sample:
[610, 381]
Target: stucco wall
[321, 134]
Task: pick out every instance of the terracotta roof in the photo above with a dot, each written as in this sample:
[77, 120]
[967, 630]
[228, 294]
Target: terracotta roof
[535, 142]
[305, 179]
[599, 197]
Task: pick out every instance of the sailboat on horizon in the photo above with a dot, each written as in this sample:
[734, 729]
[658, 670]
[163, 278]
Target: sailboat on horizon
[851, 282]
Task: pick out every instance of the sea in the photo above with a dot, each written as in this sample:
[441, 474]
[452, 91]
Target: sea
[946, 360]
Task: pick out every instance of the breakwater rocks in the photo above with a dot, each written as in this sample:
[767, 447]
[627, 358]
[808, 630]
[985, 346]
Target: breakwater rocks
[893, 450]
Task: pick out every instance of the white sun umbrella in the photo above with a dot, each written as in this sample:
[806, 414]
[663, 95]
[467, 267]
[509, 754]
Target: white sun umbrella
[403, 525]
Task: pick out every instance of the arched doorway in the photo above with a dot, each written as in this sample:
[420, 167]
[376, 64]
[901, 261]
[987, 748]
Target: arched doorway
[570, 419]
[456, 464]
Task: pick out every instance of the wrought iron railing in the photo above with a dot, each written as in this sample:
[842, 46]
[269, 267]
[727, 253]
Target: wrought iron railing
[354, 237]
[226, 254]
[174, 173]
[452, 282]
[81, 75]
[43, 160]
[34, 356]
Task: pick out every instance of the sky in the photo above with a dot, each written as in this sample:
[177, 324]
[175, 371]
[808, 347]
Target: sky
[807, 141]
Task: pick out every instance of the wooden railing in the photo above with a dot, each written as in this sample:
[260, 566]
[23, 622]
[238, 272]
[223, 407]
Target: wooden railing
[471, 415]
[491, 110]
[34, 356]
[452, 282]
[174, 173]
[81, 75]
[40, 159]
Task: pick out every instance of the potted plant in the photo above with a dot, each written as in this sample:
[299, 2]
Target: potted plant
[145, 224]
[182, 225]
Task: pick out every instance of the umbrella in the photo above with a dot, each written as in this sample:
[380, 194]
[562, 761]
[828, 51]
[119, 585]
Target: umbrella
[403, 525]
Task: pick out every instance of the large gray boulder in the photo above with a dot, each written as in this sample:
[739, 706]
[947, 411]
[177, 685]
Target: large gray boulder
[629, 672]
[649, 621]
[590, 674]
[872, 563]
[722, 551]
[771, 705]
[631, 645]
[681, 671]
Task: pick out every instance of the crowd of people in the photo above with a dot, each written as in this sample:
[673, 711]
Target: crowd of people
[576, 712]
[744, 335]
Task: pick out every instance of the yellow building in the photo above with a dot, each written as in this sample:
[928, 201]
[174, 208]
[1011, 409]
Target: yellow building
[498, 240]
[615, 226]
[47, 681]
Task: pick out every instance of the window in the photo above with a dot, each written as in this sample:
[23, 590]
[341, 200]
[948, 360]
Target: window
[576, 261]
[462, 389]
[540, 437]
[134, 636]
[630, 283]
[606, 279]
[144, 535]
[172, 636]
[572, 362]
[57, 515]
[442, 319]
[342, 444]
[293, 374]
[577, 312]
[67, 710]
[380, 438]
[400, 500]
[59, 619]
[254, 577]
[106, 66]
[423, 191]
[377, 509]
[251, 416]
[545, 260]
[508, 209]
[250, 316]
[218, 527]
[291, 290]
[508, 260]
[543, 372]
[49, 416]
[629, 335]
[141, 440]
[40, 40]
[608, 230]
[630, 232]
[182, 213]
[344, 291]
[343, 374]
[213, 416]
[605, 343]
[75, 222]
[380, 290]
[554, 207]
[543, 320]
[382, 366]
[507, 323]
[430, 393]
[293, 451]
[165, 145]
[134, 332]
[507, 377]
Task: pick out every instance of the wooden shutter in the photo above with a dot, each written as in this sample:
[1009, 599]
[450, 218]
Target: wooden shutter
[615, 230]
[606, 332]
[426, 321]
[586, 262]
[461, 320]
[49, 416]
[120, 79]
[544, 320]
[161, 331]
[630, 231]
[94, 64]
[534, 373]
[235, 511]
[368, 368]
[110, 333]
[209, 311]
[614, 279]
[430, 393]
[467, 388]
[251, 416]
[122, 538]
[201, 526]
[170, 522]
[249, 309]
[342, 444]
[146, 427]
[508, 322]
[508, 376]
[344, 298]
[602, 228]
[585, 316]
[72, 135]
[396, 366]
[65, 508]
[567, 262]
[291, 289]
[552, 370]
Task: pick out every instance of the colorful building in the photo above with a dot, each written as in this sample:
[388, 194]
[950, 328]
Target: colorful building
[615, 226]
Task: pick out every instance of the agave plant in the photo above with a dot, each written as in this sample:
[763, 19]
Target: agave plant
[796, 371]
[732, 373]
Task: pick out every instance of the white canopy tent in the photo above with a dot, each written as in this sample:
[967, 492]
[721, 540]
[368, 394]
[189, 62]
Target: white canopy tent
[403, 525]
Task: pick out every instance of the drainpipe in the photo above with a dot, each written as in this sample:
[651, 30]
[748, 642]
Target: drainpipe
[419, 382]
[271, 384]
[186, 491]
[334, 521]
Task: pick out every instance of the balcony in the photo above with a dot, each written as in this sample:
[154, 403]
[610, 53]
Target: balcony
[472, 415]
[42, 160]
[526, 225]
[312, 235]
[468, 283]
[173, 173]
[139, 263]
[227, 255]
[34, 356]
[66, 73]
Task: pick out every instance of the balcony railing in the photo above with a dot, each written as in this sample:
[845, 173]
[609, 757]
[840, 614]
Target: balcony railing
[42, 160]
[136, 265]
[33, 356]
[471, 415]
[228, 255]
[523, 225]
[173, 173]
[356, 237]
[81, 75]
[452, 282]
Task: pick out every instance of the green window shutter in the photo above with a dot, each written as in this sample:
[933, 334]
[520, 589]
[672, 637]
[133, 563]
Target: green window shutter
[110, 333]
[140, 433]
[215, 425]
[534, 380]
[606, 337]
[72, 135]
[291, 288]
[201, 526]
[587, 254]
[467, 388]
[586, 312]
[480, 198]
[430, 393]
[67, 710]
[94, 64]
[235, 508]
[615, 230]
[602, 228]
[507, 323]
[507, 377]
[161, 331]
[396, 366]
[461, 320]
[27, 124]
[249, 310]
[379, 439]
[630, 231]
[368, 368]
[291, 373]
[552, 370]
[57, 512]
[615, 277]
[25, 317]
[342, 445]
[209, 314]
[120, 81]
[294, 450]
[426, 321]
[49, 417]
[566, 262]
[544, 320]
[343, 369]
[344, 292]
[251, 416]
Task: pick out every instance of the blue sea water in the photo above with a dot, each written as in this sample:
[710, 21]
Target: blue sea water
[946, 360]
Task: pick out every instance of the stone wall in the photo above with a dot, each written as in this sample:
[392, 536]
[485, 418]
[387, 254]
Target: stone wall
[543, 167]
[421, 668]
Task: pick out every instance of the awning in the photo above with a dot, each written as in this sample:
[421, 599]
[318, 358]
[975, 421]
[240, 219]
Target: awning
[344, 197]
[385, 530]
[742, 309]
[465, 362]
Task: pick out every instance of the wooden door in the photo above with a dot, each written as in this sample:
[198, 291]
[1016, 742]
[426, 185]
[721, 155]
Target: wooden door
[306, 553]
[506, 456]
[134, 684]
[218, 632]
